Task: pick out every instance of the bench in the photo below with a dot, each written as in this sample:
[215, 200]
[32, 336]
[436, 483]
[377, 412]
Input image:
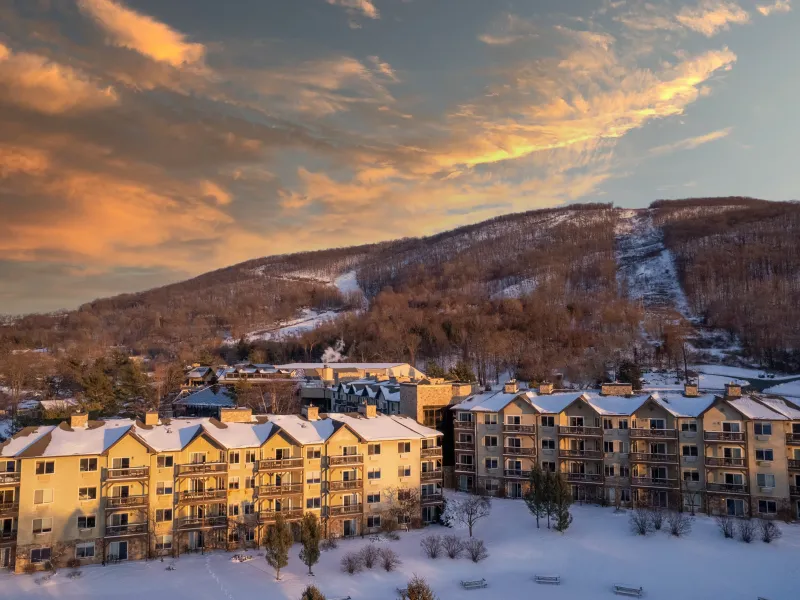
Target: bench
[556, 579]
[340, 598]
[474, 584]
[628, 590]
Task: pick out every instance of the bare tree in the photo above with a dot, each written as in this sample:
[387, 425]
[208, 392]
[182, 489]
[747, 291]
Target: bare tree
[476, 549]
[469, 511]
[404, 504]
[769, 531]
[747, 530]
[389, 559]
[352, 562]
[726, 525]
[691, 496]
[370, 555]
[640, 521]
[453, 546]
[432, 545]
[680, 523]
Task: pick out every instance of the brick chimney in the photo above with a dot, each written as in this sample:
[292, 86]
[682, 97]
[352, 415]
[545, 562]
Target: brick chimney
[235, 415]
[511, 386]
[616, 389]
[370, 411]
[691, 390]
[545, 389]
[733, 390]
[151, 417]
[80, 419]
[311, 413]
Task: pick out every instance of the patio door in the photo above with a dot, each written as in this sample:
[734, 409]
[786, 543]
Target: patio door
[350, 528]
[118, 550]
[5, 558]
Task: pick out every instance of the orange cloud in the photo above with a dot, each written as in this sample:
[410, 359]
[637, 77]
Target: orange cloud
[779, 6]
[692, 142]
[143, 34]
[363, 7]
[711, 16]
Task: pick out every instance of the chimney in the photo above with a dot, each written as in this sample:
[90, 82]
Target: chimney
[151, 417]
[235, 415]
[80, 419]
[545, 389]
[691, 390]
[733, 390]
[370, 411]
[311, 412]
[511, 386]
[616, 389]
[326, 374]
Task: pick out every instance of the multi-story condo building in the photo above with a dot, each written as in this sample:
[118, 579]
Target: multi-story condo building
[119, 489]
[732, 454]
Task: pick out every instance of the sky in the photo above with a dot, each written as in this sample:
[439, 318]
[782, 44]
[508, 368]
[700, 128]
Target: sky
[146, 141]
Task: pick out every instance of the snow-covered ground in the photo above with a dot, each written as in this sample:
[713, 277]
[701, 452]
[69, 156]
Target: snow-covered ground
[791, 389]
[739, 372]
[308, 320]
[668, 381]
[596, 552]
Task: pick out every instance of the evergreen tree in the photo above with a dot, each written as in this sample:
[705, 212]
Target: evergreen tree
[310, 537]
[418, 589]
[277, 543]
[312, 593]
[432, 369]
[630, 372]
[98, 391]
[461, 372]
[562, 499]
[548, 495]
[535, 498]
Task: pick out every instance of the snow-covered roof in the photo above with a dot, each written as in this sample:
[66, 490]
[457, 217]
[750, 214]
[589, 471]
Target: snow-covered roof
[416, 427]
[490, 401]
[554, 403]
[58, 403]
[614, 405]
[304, 431]
[25, 438]
[341, 365]
[684, 406]
[755, 410]
[240, 435]
[198, 372]
[94, 438]
[210, 396]
[787, 409]
[381, 427]
[172, 436]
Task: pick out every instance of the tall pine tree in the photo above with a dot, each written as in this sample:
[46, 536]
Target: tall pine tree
[277, 543]
[309, 537]
[535, 498]
[562, 499]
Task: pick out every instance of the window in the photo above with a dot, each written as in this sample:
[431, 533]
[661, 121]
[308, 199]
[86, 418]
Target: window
[373, 449]
[431, 417]
[250, 456]
[249, 534]
[86, 493]
[313, 453]
[44, 525]
[248, 507]
[233, 510]
[765, 454]
[549, 467]
[608, 446]
[689, 426]
[609, 470]
[45, 467]
[767, 507]
[548, 421]
[691, 475]
[491, 463]
[623, 424]
[492, 486]
[404, 447]
[625, 495]
[465, 417]
[548, 444]
[374, 474]
[608, 424]
[762, 429]
[84, 550]
[164, 542]
[490, 441]
[88, 464]
[87, 522]
[163, 488]
[42, 496]
[765, 480]
[689, 450]
[624, 447]
[163, 514]
[404, 471]
[249, 482]
[233, 483]
[731, 427]
[465, 438]
[313, 502]
[373, 498]
[658, 424]
[313, 477]
[197, 458]
[165, 462]
[490, 419]
[374, 521]
[513, 419]
[624, 471]
[233, 457]
[39, 555]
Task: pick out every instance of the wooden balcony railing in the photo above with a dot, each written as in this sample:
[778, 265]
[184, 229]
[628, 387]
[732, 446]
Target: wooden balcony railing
[580, 454]
[794, 490]
[431, 498]
[8, 536]
[431, 452]
[202, 469]
[723, 436]
[584, 477]
[434, 475]
[519, 451]
[712, 461]
[654, 482]
[286, 489]
[516, 474]
[202, 522]
[114, 502]
[728, 488]
[507, 428]
[346, 509]
[463, 425]
[280, 464]
[126, 530]
[340, 486]
[794, 464]
[465, 446]
[9, 507]
[793, 439]
[467, 468]
[657, 434]
[127, 474]
[580, 431]
[345, 460]
[269, 516]
[203, 496]
[7, 478]
[652, 457]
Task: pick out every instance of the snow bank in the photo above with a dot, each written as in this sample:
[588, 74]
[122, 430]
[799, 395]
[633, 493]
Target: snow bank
[785, 389]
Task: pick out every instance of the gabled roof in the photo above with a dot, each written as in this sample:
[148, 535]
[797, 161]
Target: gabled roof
[782, 406]
[550, 404]
[94, 439]
[22, 440]
[684, 406]
[493, 401]
[614, 405]
[382, 427]
[755, 410]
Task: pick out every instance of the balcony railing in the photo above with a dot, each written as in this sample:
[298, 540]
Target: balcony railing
[431, 452]
[793, 439]
[579, 431]
[655, 482]
[519, 451]
[584, 477]
[340, 486]
[465, 446]
[344, 460]
[431, 498]
[516, 473]
[127, 474]
[658, 434]
[467, 468]
[113, 502]
[652, 457]
[580, 454]
[794, 490]
[9, 507]
[463, 425]
[434, 475]
[729, 488]
[8, 536]
[794, 464]
[202, 522]
[723, 436]
[125, 530]
[269, 516]
[346, 509]
[507, 428]
[203, 496]
[7, 478]
[280, 464]
[287, 489]
[202, 469]
[712, 461]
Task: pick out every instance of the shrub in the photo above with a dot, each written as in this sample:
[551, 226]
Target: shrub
[476, 549]
[747, 530]
[73, 563]
[680, 524]
[418, 589]
[369, 555]
[329, 544]
[453, 546]
[432, 545]
[30, 569]
[392, 535]
[657, 518]
[389, 559]
[640, 521]
[50, 566]
[312, 593]
[770, 531]
[352, 563]
[726, 525]
[74, 574]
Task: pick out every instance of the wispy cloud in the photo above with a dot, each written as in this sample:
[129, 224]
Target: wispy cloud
[779, 6]
[508, 30]
[363, 7]
[712, 16]
[692, 142]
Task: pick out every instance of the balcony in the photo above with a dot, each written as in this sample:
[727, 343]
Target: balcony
[519, 428]
[465, 446]
[713, 462]
[465, 468]
[276, 491]
[654, 482]
[584, 478]
[794, 464]
[431, 498]
[345, 460]
[116, 502]
[653, 434]
[270, 516]
[126, 530]
[516, 474]
[727, 488]
[469, 425]
[435, 475]
[202, 469]
[431, 452]
[580, 431]
[8, 536]
[650, 457]
[280, 464]
[341, 486]
[580, 454]
[794, 490]
[793, 439]
[7, 478]
[723, 436]
[202, 522]
[202, 496]
[127, 474]
[7, 508]
[519, 451]
[345, 509]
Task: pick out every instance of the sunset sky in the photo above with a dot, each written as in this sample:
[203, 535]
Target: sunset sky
[146, 141]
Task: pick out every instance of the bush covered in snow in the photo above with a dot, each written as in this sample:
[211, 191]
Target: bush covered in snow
[352, 562]
[370, 555]
[389, 559]
[769, 531]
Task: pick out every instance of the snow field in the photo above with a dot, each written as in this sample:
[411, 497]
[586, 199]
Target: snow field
[596, 552]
